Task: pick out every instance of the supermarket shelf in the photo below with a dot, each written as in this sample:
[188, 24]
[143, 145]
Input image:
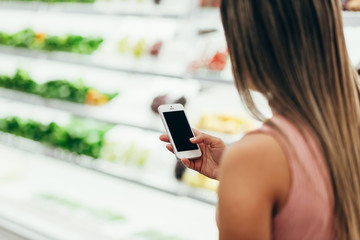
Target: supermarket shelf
[29, 199]
[109, 169]
[11, 230]
[86, 61]
[89, 9]
[98, 113]
[79, 110]
[351, 18]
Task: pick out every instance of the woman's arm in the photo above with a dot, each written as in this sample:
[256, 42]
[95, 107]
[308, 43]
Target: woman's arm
[254, 181]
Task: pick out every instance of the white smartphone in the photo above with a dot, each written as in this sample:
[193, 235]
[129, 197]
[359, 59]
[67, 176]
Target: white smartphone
[178, 128]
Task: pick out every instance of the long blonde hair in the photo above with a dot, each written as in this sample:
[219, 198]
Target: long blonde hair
[294, 53]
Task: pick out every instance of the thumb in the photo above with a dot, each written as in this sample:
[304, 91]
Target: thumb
[207, 139]
[201, 138]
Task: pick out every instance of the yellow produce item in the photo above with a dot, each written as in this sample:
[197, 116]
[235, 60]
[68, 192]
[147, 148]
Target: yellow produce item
[353, 5]
[198, 180]
[93, 97]
[40, 37]
[124, 46]
[140, 48]
[223, 123]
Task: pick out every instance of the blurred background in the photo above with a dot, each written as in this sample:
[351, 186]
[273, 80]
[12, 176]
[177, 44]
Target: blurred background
[80, 83]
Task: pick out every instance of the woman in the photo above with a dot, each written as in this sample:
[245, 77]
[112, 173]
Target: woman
[298, 176]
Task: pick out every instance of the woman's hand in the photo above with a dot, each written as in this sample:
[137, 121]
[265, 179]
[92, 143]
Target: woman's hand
[212, 149]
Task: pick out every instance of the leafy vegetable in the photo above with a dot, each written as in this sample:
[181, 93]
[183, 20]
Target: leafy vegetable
[28, 38]
[58, 1]
[57, 89]
[80, 136]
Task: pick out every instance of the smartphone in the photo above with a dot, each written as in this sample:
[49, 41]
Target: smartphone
[179, 131]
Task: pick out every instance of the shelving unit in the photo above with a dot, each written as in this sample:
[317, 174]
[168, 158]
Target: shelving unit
[59, 201]
[352, 35]
[169, 186]
[138, 80]
[109, 113]
[79, 110]
[172, 9]
[90, 62]
[351, 18]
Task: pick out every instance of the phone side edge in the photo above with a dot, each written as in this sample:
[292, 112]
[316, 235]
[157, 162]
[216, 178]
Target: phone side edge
[167, 130]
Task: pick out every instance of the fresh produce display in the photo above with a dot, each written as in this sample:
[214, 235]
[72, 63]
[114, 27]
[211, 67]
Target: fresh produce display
[216, 63]
[198, 180]
[128, 154]
[223, 123]
[56, 89]
[20, 81]
[80, 136]
[58, 1]
[155, 49]
[139, 48]
[103, 214]
[193, 178]
[165, 99]
[30, 39]
[351, 5]
[75, 1]
[210, 3]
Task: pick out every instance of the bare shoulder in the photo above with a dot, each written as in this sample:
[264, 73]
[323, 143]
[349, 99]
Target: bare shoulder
[254, 181]
[260, 152]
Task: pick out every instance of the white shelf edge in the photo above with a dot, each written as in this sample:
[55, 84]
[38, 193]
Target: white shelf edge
[18, 231]
[82, 8]
[351, 18]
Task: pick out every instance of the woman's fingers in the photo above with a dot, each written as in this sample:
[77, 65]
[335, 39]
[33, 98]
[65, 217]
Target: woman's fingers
[192, 164]
[170, 148]
[202, 138]
[196, 132]
[164, 138]
[186, 162]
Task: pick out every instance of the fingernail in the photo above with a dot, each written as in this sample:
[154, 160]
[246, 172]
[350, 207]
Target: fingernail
[193, 139]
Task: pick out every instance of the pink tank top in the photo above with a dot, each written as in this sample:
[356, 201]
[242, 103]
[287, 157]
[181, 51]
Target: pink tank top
[309, 210]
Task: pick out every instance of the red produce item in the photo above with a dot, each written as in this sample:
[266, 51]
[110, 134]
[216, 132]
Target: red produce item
[156, 48]
[215, 3]
[219, 60]
[210, 3]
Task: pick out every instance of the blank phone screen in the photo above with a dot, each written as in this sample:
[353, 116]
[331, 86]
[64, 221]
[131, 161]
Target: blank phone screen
[180, 130]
